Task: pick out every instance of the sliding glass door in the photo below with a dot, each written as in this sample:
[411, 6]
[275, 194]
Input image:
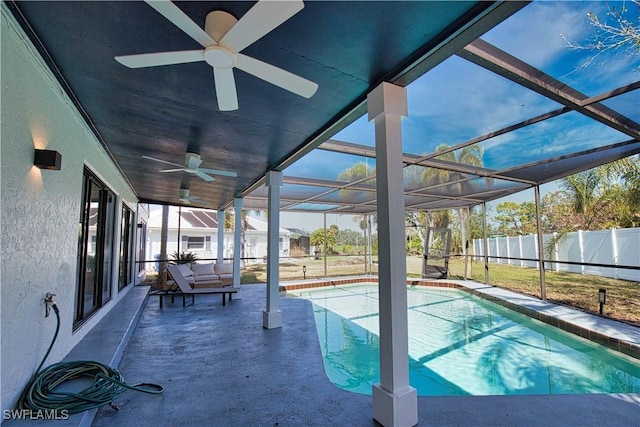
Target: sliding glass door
[95, 247]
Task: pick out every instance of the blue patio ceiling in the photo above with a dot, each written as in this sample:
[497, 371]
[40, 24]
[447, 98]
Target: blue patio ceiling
[500, 124]
[497, 102]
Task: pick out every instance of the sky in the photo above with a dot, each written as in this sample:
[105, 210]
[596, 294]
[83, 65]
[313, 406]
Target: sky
[456, 101]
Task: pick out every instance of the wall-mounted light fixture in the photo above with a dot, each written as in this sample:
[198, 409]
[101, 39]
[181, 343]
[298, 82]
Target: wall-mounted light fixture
[602, 298]
[47, 159]
[304, 272]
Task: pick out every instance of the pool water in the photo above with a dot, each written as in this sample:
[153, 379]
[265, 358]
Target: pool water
[460, 344]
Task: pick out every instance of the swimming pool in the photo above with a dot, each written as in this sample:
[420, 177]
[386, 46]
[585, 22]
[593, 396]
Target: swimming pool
[460, 344]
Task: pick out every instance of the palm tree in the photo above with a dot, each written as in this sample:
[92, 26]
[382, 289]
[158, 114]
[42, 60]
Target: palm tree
[327, 240]
[587, 194]
[229, 223]
[470, 155]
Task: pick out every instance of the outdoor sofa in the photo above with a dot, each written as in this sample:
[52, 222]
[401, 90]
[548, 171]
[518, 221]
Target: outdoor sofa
[201, 281]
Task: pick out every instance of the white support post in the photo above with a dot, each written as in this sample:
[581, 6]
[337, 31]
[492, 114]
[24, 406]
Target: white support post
[543, 287]
[485, 243]
[324, 245]
[220, 256]
[272, 316]
[395, 402]
[237, 230]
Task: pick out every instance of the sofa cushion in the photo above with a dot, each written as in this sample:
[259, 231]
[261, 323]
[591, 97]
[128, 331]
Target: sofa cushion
[185, 269]
[224, 268]
[203, 269]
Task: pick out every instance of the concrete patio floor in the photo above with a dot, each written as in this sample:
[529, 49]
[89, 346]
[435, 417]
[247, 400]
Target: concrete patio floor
[219, 367]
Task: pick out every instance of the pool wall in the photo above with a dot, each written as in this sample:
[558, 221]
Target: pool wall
[615, 343]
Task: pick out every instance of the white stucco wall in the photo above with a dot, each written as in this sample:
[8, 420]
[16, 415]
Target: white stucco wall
[40, 211]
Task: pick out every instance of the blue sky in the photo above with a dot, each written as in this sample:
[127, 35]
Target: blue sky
[458, 100]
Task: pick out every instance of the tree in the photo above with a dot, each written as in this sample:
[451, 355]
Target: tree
[587, 193]
[317, 238]
[615, 32]
[470, 155]
[229, 223]
[516, 218]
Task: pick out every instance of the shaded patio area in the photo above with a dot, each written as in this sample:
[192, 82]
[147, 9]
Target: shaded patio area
[219, 367]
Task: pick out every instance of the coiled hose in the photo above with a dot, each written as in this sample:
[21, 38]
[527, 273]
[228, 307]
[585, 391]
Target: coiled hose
[108, 384]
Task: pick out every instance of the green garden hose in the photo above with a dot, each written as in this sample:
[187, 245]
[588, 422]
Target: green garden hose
[40, 394]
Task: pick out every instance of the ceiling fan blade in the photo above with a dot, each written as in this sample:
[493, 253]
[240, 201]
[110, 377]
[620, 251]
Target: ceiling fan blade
[277, 76]
[219, 172]
[160, 58]
[161, 161]
[173, 170]
[178, 18]
[204, 176]
[225, 89]
[258, 21]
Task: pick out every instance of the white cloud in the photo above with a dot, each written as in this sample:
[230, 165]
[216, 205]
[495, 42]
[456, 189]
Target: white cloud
[534, 33]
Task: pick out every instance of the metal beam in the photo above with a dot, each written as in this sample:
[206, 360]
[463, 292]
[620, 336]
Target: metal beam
[500, 62]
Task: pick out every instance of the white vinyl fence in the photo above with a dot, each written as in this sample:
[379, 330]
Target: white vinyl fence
[619, 247]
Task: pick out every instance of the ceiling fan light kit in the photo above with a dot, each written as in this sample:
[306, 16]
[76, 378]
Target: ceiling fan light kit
[223, 38]
[192, 162]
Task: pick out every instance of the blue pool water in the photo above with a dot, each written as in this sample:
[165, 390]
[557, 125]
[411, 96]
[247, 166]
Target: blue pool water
[460, 344]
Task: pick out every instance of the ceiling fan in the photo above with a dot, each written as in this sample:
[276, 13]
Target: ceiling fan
[187, 199]
[192, 165]
[223, 38]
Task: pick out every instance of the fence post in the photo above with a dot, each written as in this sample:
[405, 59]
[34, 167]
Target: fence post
[520, 250]
[614, 248]
[581, 246]
[555, 250]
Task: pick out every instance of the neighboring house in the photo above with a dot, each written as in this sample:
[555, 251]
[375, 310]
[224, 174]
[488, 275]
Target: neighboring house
[299, 241]
[197, 231]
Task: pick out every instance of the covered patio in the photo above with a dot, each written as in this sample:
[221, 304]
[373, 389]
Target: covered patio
[173, 131]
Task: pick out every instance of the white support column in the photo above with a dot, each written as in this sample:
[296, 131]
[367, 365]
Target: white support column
[543, 286]
[237, 230]
[272, 316]
[324, 245]
[395, 402]
[484, 243]
[220, 216]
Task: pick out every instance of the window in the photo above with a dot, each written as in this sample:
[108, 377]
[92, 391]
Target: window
[196, 243]
[95, 247]
[280, 244]
[127, 233]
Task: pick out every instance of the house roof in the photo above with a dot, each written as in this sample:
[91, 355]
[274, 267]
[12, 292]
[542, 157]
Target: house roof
[202, 219]
[348, 49]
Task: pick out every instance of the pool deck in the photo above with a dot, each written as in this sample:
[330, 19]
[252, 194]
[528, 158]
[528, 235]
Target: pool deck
[219, 367]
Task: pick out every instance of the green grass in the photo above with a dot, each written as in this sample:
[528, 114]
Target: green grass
[576, 290]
